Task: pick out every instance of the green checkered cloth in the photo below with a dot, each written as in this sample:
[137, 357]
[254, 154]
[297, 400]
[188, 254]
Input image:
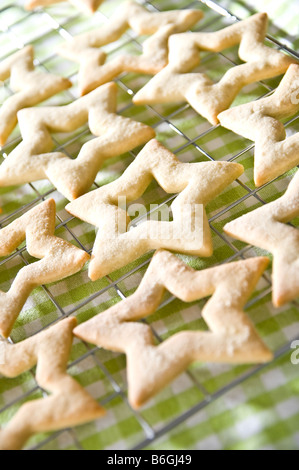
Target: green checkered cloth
[209, 406]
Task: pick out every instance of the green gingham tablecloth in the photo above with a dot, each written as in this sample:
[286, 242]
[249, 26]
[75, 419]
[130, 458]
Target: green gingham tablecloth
[261, 412]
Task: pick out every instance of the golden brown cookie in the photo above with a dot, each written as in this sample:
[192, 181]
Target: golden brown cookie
[188, 232]
[87, 6]
[232, 337]
[85, 48]
[175, 83]
[59, 258]
[31, 160]
[31, 87]
[68, 405]
[267, 228]
[260, 121]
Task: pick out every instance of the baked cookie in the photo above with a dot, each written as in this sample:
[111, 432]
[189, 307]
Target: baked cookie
[267, 228]
[31, 160]
[189, 232]
[87, 6]
[31, 86]
[85, 48]
[260, 121]
[174, 84]
[58, 258]
[232, 337]
[68, 405]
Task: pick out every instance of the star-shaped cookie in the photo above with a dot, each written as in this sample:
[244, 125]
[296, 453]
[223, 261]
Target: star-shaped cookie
[31, 160]
[58, 258]
[85, 48]
[31, 87]
[175, 84]
[267, 228]
[259, 121]
[68, 405]
[189, 232]
[86, 6]
[232, 337]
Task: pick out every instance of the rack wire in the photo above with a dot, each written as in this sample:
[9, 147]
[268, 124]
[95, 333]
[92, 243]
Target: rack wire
[149, 432]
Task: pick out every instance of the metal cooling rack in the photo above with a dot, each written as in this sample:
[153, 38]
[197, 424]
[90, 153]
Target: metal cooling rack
[150, 433]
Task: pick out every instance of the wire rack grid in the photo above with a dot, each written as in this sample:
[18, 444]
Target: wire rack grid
[168, 123]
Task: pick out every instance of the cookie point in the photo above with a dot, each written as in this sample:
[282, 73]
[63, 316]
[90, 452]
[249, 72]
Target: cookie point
[214, 120]
[83, 257]
[82, 92]
[4, 332]
[50, 202]
[258, 181]
[278, 300]
[72, 321]
[154, 144]
[209, 251]
[264, 260]
[29, 48]
[140, 97]
[269, 356]
[67, 82]
[93, 276]
[263, 14]
[71, 207]
[151, 132]
[76, 330]
[29, 5]
[240, 167]
[93, 270]
[259, 262]
[227, 228]
[68, 206]
[136, 402]
[199, 13]
[82, 331]
[111, 85]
